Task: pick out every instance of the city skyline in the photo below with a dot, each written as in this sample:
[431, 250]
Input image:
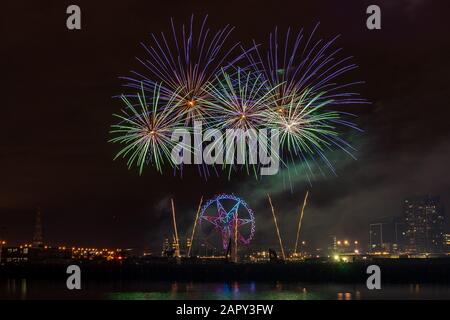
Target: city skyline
[392, 234]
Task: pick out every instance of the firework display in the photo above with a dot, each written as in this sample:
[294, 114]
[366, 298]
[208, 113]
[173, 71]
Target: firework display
[146, 133]
[184, 61]
[305, 73]
[300, 62]
[195, 75]
[305, 129]
[240, 100]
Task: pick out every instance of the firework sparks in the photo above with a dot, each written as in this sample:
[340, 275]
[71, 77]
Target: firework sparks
[303, 125]
[306, 73]
[184, 62]
[302, 63]
[294, 87]
[241, 100]
[146, 132]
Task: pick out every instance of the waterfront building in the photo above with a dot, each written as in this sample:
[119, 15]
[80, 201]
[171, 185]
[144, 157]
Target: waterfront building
[425, 223]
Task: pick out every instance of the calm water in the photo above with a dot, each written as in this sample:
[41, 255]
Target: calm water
[25, 289]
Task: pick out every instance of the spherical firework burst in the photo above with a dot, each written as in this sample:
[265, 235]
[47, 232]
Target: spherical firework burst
[305, 72]
[184, 62]
[240, 100]
[306, 129]
[145, 131]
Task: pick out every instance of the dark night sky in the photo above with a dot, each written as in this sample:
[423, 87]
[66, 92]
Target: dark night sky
[56, 109]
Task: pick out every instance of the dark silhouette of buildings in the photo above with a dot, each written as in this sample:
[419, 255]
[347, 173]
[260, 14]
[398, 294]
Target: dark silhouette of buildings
[425, 224]
[376, 242]
[38, 239]
[419, 230]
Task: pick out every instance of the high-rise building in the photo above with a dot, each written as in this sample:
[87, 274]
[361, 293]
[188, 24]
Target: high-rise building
[376, 237]
[447, 242]
[38, 239]
[165, 246]
[424, 219]
[400, 239]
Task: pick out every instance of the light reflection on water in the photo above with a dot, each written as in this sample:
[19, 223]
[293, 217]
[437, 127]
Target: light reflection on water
[219, 291]
[15, 287]
[284, 291]
[137, 290]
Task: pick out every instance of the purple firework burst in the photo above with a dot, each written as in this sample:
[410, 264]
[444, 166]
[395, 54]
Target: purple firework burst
[184, 61]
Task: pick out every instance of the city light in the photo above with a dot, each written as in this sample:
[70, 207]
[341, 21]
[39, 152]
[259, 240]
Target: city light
[344, 249]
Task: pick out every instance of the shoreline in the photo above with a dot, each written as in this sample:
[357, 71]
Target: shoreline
[392, 271]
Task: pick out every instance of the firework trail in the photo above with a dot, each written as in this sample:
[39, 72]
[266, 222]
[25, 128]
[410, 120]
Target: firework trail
[276, 226]
[193, 228]
[300, 222]
[175, 229]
